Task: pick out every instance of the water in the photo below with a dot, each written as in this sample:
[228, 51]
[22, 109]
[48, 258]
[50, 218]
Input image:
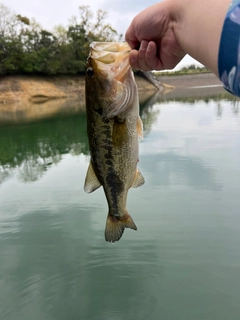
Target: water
[184, 260]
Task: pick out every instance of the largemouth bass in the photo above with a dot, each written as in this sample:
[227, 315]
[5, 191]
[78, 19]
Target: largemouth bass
[114, 128]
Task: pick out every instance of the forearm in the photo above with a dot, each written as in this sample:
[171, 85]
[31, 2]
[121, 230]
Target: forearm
[197, 26]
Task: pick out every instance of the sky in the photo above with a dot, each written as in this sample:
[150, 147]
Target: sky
[50, 13]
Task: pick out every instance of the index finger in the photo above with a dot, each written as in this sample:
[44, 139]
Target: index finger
[131, 39]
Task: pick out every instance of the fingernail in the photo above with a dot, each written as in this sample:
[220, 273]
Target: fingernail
[144, 45]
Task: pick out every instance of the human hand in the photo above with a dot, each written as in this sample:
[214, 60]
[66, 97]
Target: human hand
[152, 31]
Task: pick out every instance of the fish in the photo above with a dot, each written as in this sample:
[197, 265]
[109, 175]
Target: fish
[114, 128]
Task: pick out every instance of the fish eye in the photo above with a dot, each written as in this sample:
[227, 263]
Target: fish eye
[90, 72]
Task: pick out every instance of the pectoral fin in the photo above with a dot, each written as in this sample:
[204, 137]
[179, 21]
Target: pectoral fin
[140, 128]
[139, 180]
[91, 180]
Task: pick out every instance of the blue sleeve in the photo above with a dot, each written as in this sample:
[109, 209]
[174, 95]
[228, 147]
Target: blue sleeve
[229, 50]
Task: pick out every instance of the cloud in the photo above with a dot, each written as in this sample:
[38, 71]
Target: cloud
[121, 12]
[50, 13]
[127, 6]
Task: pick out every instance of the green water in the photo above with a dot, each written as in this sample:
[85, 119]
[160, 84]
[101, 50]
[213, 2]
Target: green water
[183, 263]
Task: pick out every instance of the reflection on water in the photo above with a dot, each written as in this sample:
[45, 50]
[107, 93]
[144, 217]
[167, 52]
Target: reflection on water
[26, 111]
[33, 148]
[184, 260]
[179, 170]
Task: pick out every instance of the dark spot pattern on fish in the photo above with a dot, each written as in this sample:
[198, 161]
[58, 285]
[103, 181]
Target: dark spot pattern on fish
[98, 109]
[105, 123]
[118, 119]
[105, 127]
[105, 132]
[108, 156]
[107, 145]
[109, 162]
[116, 188]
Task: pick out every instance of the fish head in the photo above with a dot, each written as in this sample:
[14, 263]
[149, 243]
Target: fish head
[108, 77]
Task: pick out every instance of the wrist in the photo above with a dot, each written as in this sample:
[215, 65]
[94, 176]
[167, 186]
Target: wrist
[197, 27]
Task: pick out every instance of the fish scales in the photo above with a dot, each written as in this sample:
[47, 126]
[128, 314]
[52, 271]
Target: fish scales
[114, 127]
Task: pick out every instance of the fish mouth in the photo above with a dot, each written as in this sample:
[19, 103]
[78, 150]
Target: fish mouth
[110, 61]
[111, 57]
[110, 47]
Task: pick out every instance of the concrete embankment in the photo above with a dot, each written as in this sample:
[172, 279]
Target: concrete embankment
[29, 98]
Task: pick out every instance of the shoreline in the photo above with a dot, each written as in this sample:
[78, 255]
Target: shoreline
[32, 98]
[28, 99]
[201, 85]
[38, 89]
[190, 80]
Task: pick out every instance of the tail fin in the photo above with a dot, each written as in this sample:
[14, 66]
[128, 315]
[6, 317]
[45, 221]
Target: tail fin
[115, 227]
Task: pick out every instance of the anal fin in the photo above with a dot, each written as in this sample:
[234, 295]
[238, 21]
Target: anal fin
[138, 180]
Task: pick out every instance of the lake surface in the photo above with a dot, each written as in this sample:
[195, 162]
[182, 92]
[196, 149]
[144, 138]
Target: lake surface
[182, 263]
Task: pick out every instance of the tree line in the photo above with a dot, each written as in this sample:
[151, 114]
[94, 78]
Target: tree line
[27, 48]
